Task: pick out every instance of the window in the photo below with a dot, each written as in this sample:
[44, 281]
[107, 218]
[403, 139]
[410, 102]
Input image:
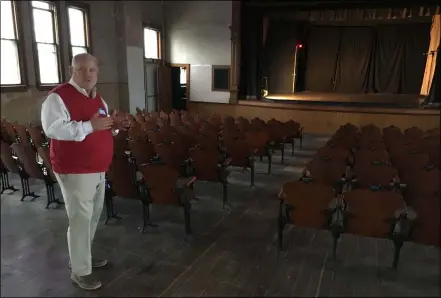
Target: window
[152, 47]
[79, 41]
[220, 78]
[46, 43]
[11, 74]
[183, 76]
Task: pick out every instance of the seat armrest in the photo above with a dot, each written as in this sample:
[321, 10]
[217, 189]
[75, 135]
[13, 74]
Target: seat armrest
[192, 180]
[227, 162]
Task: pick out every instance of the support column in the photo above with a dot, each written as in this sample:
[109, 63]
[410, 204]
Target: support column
[235, 52]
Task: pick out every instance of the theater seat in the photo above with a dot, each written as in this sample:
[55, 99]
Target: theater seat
[8, 165]
[48, 176]
[209, 166]
[163, 186]
[380, 214]
[28, 168]
[307, 204]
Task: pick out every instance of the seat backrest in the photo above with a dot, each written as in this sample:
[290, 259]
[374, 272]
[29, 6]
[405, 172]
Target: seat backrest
[142, 151]
[10, 130]
[44, 154]
[367, 156]
[162, 182]
[299, 193]
[22, 134]
[333, 153]
[205, 159]
[369, 174]
[28, 157]
[121, 175]
[7, 160]
[410, 161]
[326, 172]
[421, 183]
[136, 132]
[207, 142]
[257, 139]
[157, 137]
[37, 135]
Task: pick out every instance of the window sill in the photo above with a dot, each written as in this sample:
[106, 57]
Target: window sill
[152, 60]
[14, 88]
[46, 87]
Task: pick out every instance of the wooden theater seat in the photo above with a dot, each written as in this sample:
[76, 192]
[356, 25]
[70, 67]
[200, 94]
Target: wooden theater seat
[163, 186]
[407, 162]
[328, 173]
[293, 131]
[22, 133]
[420, 183]
[240, 155]
[367, 175]
[175, 156]
[427, 225]
[10, 132]
[28, 168]
[37, 137]
[121, 181]
[369, 157]
[306, 205]
[48, 176]
[258, 142]
[380, 214]
[277, 136]
[209, 166]
[334, 154]
[8, 165]
[141, 151]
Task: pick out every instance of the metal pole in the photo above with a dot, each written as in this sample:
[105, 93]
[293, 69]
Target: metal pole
[294, 70]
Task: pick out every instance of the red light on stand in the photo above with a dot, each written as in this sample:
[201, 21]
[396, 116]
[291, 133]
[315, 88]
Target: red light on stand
[300, 46]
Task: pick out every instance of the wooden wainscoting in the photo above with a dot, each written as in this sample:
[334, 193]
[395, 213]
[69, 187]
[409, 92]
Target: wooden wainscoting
[323, 119]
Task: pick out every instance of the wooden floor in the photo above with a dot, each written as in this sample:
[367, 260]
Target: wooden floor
[232, 253]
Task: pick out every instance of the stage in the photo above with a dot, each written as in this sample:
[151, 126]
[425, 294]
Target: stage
[379, 100]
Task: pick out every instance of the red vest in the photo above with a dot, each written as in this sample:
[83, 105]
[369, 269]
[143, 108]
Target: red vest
[94, 153]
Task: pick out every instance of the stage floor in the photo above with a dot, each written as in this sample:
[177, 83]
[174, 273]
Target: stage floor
[348, 99]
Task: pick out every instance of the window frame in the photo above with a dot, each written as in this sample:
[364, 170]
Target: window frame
[56, 24]
[19, 34]
[85, 7]
[158, 40]
[213, 68]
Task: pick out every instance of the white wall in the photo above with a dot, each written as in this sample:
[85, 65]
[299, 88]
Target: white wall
[137, 12]
[198, 34]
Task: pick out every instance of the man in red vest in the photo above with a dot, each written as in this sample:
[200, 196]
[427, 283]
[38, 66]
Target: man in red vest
[77, 120]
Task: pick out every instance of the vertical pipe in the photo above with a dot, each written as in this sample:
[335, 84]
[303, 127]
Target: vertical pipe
[294, 74]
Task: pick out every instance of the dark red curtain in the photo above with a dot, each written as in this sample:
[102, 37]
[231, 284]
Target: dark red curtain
[322, 53]
[352, 59]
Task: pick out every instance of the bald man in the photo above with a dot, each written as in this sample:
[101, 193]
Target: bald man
[77, 120]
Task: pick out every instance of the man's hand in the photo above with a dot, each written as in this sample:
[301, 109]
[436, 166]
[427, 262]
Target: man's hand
[101, 123]
[120, 122]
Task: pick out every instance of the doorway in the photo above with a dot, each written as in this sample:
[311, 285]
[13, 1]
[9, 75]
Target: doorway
[150, 84]
[180, 86]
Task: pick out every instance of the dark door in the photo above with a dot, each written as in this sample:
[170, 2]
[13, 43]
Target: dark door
[179, 88]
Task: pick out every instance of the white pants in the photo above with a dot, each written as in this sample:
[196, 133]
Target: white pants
[84, 200]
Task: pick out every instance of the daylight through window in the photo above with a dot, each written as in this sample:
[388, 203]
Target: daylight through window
[10, 62]
[46, 42]
[151, 44]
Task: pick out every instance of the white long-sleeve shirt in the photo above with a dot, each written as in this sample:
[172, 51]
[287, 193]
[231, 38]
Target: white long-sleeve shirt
[56, 121]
